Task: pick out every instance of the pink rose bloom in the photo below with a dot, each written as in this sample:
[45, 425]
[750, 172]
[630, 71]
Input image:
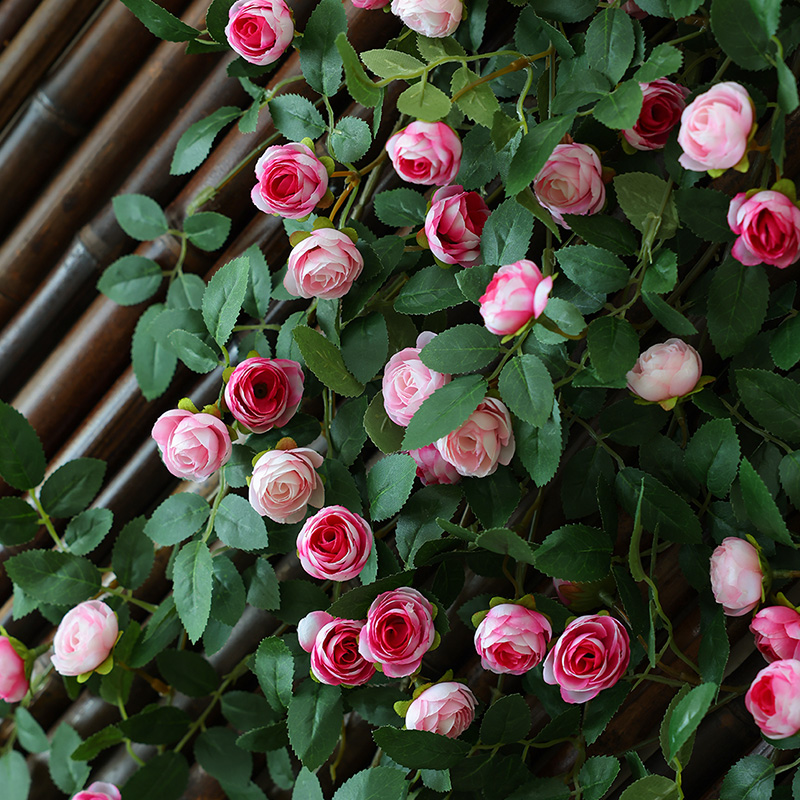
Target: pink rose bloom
[768, 227]
[193, 446]
[446, 708]
[264, 393]
[516, 294]
[482, 442]
[13, 682]
[433, 18]
[371, 4]
[285, 483]
[333, 644]
[398, 633]
[512, 638]
[85, 638]
[571, 182]
[291, 181]
[774, 699]
[432, 469]
[407, 382]
[334, 544]
[777, 632]
[99, 791]
[666, 370]
[323, 265]
[454, 225]
[736, 576]
[715, 128]
[591, 655]
[260, 30]
[426, 152]
[662, 107]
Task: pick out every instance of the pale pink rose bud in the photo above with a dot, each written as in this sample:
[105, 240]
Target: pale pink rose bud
[193, 446]
[482, 442]
[426, 152]
[666, 370]
[736, 576]
[371, 4]
[324, 265]
[591, 655]
[335, 659]
[291, 181]
[432, 469]
[662, 105]
[334, 544]
[398, 633]
[715, 128]
[285, 483]
[516, 294]
[85, 638]
[433, 18]
[512, 639]
[774, 699]
[777, 632]
[446, 708]
[768, 227]
[13, 682]
[310, 626]
[454, 224]
[571, 182]
[260, 30]
[99, 791]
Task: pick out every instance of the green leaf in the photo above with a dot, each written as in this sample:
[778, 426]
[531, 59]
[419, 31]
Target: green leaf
[259, 283]
[187, 671]
[683, 755]
[72, 487]
[530, 28]
[610, 43]
[789, 475]
[274, 668]
[239, 525]
[539, 449]
[597, 775]
[307, 786]
[508, 720]
[319, 56]
[156, 724]
[421, 749]
[166, 777]
[153, 363]
[608, 233]
[621, 108]
[784, 347]
[61, 579]
[743, 30]
[494, 497]
[177, 518]
[192, 587]
[714, 645]
[712, 455]
[296, 117]
[228, 593]
[576, 552]
[652, 787]
[593, 269]
[315, 720]
[193, 351]
[195, 144]
[687, 715]
[662, 273]
[361, 88]
[773, 401]
[160, 22]
[682, 8]
[761, 509]
[788, 98]
[424, 101]
[574, 11]
[506, 542]
[348, 433]
[161, 630]
[365, 345]
[401, 208]
[130, 280]
[18, 521]
[264, 589]
[389, 484]
[22, 461]
[29, 732]
[535, 148]
[355, 603]
[462, 348]
[386, 435]
[600, 710]
[751, 778]
[418, 524]
[507, 234]
[613, 347]
[107, 737]
[217, 18]
[373, 783]
[349, 140]
[663, 60]
[14, 776]
[669, 317]
[67, 774]
[479, 102]
[527, 389]
[392, 63]
[85, 531]
[431, 289]
[641, 196]
[217, 752]
[140, 217]
[325, 360]
[705, 212]
[207, 230]
[223, 298]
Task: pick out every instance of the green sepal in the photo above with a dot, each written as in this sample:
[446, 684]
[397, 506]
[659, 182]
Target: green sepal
[186, 404]
[322, 222]
[299, 236]
[329, 164]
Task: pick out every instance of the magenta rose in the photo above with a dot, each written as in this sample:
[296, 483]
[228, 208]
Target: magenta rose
[260, 30]
[85, 638]
[774, 699]
[512, 639]
[777, 632]
[333, 644]
[736, 576]
[99, 790]
[768, 226]
[264, 393]
[516, 294]
[662, 105]
[334, 544]
[432, 469]
[433, 18]
[285, 483]
[454, 225]
[291, 181]
[664, 371]
[398, 633]
[324, 264]
[13, 681]
[591, 655]
[446, 708]
[426, 152]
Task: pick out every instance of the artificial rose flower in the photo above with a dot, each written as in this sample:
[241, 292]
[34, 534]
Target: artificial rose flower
[371, 4]
[482, 442]
[580, 597]
[591, 655]
[432, 469]
[85, 638]
[571, 182]
[774, 699]
[446, 708]
[260, 30]
[264, 393]
[715, 128]
[777, 632]
[736, 576]
[333, 644]
[310, 626]
[334, 544]
[291, 181]
[407, 382]
[768, 227]
[454, 224]
[99, 790]
[632, 10]
[512, 639]
[324, 265]
[662, 105]
[516, 294]
[398, 633]
[285, 483]
[426, 152]
[13, 682]
[433, 18]
[664, 371]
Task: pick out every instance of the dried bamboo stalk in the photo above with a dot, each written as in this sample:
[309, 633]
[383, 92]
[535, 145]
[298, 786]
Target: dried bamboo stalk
[13, 14]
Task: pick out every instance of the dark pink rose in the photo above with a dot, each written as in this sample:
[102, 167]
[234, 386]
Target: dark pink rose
[777, 632]
[193, 446]
[85, 638]
[432, 468]
[516, 294]
[736, 576]
[333, 644]
[512, 639]
[666, 370]
[446, 708]
[260, 30]
[13, 682]
[768, 226]
[99, 791]
[426, 152]
[334, 544]
[774, 699]
[454, 225]
[662, 107]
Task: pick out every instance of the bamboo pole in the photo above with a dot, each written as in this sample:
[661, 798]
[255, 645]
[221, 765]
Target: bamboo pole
[13, 14]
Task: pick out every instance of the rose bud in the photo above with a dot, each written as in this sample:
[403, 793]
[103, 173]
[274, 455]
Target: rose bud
[426, 152]
[13, 681]
[432, 469]
[285, 483]
[777, 632]
[99, 791]
[433, 18]
[591, 655]
[516, 294]
[454, 224]
[662, 107]
[768, 226]
[324, 265]
[736, 576]
[581, 597]
[664, 371]
[333, 644]
[193, 446]
[632, 10]
[371, 4]
[774, 699]
[85, 638]
[446, 708]
[260, 30]
[512, 639]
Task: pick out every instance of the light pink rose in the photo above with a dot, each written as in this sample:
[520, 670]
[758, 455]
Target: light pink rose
[715, 128]
[591, 655]
[99, 791]
[371, 4]
[264, 393]
[426, 152]
[285, 483]
[774, 699]
[334, 544]
[512, 639]
[193, 446]
[446, 708]
[777, 632]
[516, 294]
[398, 633]
[454, 224]
[433, 18]
[260, 30]
[571, 182]
[666, 370]
[291, 181]
[768, 227]
[85, 638]
[662, 105]
[323, 265]
[333, 644]
[482, 442]
[736, 576]
[432, 469]
[13, 682]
